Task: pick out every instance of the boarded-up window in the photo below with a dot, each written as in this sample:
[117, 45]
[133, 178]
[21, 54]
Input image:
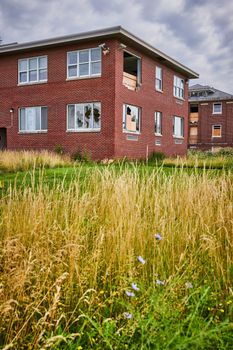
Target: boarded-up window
[193, 131]
[216, 130]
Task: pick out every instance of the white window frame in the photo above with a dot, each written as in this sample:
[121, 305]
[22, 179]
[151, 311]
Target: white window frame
[158, 78]
[38, 80]
[178, 87]
[181, 134]
[125, 105]
[160, 115]
[89, 75]
[217, 103]
[220, 127]
[82, 129]
[32, 131]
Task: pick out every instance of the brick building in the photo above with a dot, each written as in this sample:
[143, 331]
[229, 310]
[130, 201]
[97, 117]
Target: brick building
[211, 118]
[106, 92]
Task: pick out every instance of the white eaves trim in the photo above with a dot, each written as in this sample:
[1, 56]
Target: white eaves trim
[100, 34]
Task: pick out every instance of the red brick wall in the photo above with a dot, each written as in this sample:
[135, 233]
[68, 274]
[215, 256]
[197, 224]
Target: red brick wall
[56, 94]
[150, 101]
[108, 89]
[207, 119]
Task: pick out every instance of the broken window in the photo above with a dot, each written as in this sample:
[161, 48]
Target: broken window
[132, 71]
[84, 117]
[131, 118]
[194, 109]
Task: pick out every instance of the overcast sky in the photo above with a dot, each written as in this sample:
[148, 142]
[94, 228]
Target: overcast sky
[198, 33]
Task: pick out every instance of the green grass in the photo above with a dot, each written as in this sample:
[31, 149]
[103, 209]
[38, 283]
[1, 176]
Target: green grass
[70, 174]
[69, 243]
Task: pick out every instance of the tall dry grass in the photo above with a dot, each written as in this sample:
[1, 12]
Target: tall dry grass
[60, 247]
[11, 161]
[201, 160]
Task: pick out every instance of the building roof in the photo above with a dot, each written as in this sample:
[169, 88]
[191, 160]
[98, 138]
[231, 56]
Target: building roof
[199, 93]
[102, 34]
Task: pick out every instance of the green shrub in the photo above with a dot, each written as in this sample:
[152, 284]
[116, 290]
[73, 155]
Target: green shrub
[82, 156]
[59, 149]
[156, 157]
[225, 152]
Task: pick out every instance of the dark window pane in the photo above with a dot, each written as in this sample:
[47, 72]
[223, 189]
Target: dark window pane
[23, 77]
[44, 118]
[79, 116]
[22, 124]
[88, 116]
[96, 115]
[37, 118]
[72, 71]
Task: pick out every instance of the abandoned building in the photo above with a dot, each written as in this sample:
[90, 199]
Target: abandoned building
[106, 92]
[210, 118]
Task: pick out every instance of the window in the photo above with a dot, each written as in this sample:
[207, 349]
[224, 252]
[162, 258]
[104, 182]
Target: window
[84, 63]
[216, 130]
[178, 88]
[33, 70]
[158, 123]
[158, 79]
[217, 108]
[131, 71]
[33, 119]
[84, 117]
[131, 118]
[178, 127]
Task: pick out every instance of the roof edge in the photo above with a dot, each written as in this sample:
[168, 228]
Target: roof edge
[160, 53]
[94, 34]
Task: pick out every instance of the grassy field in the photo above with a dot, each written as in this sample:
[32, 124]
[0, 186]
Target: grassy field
[116, 257]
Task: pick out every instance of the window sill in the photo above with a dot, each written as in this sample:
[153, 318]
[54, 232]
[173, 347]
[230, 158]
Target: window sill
[158, 134]
[33, 132]
[179, 98]
[84, 77]
[33, 83]
[178, 137]
[131, 132]
[85, 130]
[216, 113]
[216, 137]
[158, 90]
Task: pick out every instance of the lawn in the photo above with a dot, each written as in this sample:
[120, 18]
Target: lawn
[122, 256]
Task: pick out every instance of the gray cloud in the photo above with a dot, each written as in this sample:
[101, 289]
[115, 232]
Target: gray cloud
[199, 33]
